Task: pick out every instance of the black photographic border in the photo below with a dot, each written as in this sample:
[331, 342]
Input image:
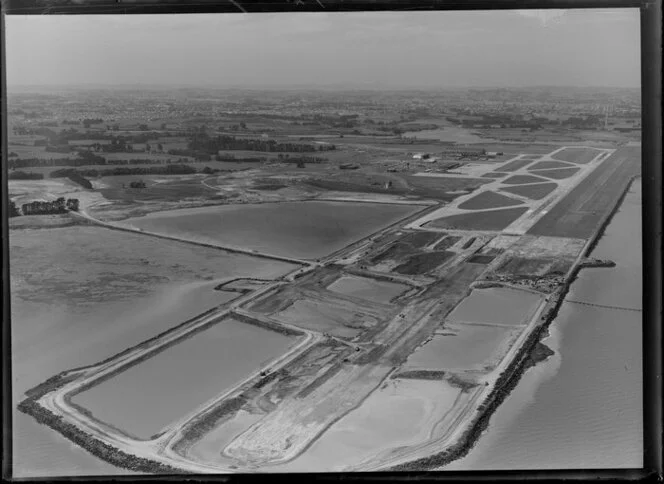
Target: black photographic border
[651, 82]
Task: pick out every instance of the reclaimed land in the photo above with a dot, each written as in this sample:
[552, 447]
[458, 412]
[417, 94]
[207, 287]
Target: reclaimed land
[581, 210]
[487, 220]
[488, 199]
[447, 242]
[535, 192]
[533, 350]
[423, 263]
[557, 174]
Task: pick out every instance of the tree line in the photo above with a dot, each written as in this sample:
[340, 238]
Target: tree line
[202, 142]
[39, 207]
[98, 160]
[152, 170]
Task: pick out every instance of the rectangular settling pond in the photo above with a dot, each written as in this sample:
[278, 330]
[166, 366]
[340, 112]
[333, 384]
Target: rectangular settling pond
[496, 305]
[464, 347]
[306, 230]
[148, 396]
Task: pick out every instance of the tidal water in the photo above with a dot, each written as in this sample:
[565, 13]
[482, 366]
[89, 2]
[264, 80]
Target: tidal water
[82, 294]
[583, 407]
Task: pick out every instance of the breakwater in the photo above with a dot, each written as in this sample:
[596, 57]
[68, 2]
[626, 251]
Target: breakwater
[532, 352]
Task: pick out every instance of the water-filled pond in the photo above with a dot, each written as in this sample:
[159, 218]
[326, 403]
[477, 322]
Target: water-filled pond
[496, 305]
[148, 396]
[464, 347]
[305, 230]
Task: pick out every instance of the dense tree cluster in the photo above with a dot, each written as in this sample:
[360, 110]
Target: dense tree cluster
[79, 179]
[24, 175]
[47, 208]
[13, 209]
[202, 142]
[197, 155]
[37, 162]
[234, 159]
[152, 170]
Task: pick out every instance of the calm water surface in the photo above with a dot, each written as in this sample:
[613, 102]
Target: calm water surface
[146, 397]
[496, 305]
[293, 229]
[582, 408]
[56, 333]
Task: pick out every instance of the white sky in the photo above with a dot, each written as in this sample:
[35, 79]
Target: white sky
[389, 49]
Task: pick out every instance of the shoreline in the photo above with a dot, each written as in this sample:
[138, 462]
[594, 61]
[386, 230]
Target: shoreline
[532, 352]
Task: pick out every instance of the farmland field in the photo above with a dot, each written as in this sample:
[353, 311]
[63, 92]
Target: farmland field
[487, 220]
[558, 174]
[488, 199]
[579, 213]
[534, 192]
[576, 155]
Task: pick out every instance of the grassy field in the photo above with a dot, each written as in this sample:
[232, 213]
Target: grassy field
[488, 199]
[24, 152]
[169, 188]
[515, 165]
[534, 192]
[488, 220]
[521, 179]
[558, 174]
[545, 165]
[494, 174]
[439, 186]
[580, 212]
[576, 155]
